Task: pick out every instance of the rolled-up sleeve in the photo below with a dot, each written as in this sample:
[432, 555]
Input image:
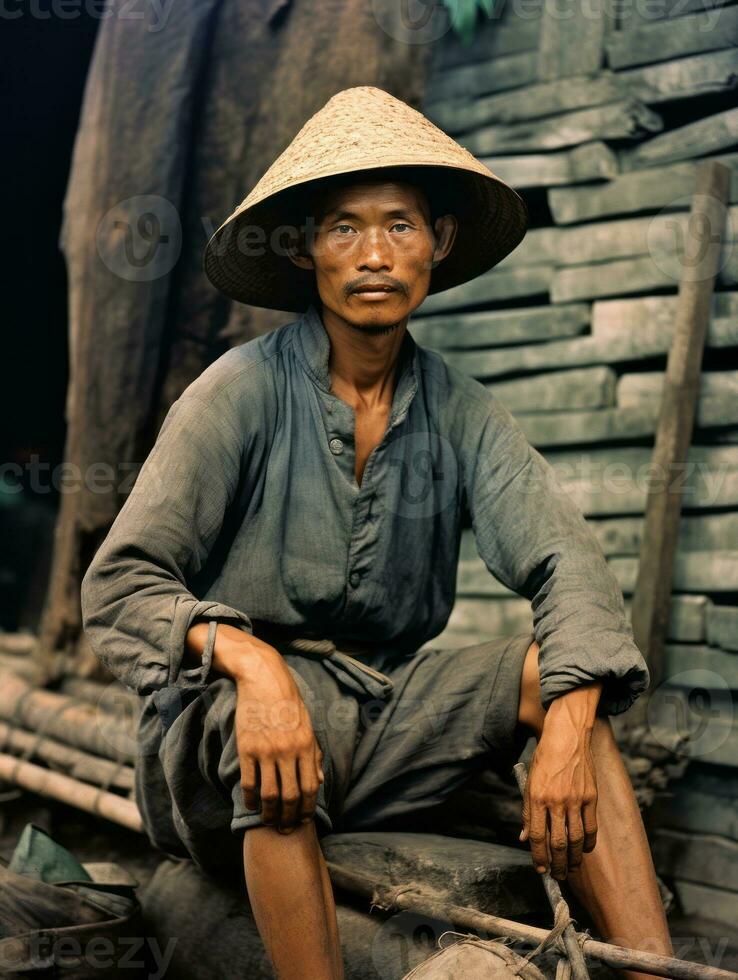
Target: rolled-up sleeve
[534, 539]
[136, 604]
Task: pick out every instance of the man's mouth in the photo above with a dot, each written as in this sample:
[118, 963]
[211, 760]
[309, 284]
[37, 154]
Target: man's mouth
[377, 288]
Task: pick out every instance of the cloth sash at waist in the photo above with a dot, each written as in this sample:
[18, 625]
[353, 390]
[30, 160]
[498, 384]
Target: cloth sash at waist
[336, 657]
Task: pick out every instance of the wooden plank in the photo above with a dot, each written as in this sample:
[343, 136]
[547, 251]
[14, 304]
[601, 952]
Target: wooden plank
[530, 102]
[559, 391]
[682, 657]
[707, 30]
[624, 535]
[694, 571]
[698, 139]
[650, 340]
[625, 119]
[641, 190]
[475, 620]
[612, 318]
[716, 742]
[636, 12]
[705, 803]
[722, 627]
[541, 245]
[646, 387]
[570, 43]
[703, 858]
[584, 428]
[590, 161]
[494, 328]
[685, 78]
[503, 34]
[655, 235]
[623, 277]
[561, 428]
[613, 480]
[705, 902]
[504, 72]
[492, 287]
[676, 420]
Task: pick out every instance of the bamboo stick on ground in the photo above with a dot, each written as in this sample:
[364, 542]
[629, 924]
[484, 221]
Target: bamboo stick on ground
[57, 786]
[391, 897]
[66, 720]
[76, 763]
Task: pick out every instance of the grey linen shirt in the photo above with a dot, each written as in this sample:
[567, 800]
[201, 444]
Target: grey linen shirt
[247, 510]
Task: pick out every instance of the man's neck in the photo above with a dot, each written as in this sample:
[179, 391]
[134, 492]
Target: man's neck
[363, 360]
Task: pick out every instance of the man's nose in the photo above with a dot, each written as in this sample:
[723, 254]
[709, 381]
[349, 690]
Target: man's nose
[376, 251]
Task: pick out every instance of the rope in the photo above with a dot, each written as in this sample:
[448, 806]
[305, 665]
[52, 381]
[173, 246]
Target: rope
[561, 920]
[552, 940]
[389, 896]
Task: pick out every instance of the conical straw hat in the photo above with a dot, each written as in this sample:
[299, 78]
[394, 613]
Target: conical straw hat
[361, 129]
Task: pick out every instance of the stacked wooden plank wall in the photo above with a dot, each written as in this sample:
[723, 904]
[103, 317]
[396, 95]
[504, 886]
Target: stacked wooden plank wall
[599, 120]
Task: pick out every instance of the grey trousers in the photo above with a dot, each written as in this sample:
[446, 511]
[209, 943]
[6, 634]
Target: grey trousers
[397, 738]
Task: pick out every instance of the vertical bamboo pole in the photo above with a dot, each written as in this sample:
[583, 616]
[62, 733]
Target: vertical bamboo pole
[699, 267]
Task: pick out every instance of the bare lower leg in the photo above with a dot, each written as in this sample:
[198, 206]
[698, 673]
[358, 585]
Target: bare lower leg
[616, 882]
[292, 902]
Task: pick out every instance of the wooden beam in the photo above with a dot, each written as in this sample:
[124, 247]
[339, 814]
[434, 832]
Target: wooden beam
[650, 612]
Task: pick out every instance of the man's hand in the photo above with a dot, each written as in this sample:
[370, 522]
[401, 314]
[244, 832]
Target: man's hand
[559, 808]
[280, 756]
[281, 761]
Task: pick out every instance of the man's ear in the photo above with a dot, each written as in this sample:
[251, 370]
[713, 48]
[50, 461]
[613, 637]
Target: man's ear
[298, 252]
[445, 229]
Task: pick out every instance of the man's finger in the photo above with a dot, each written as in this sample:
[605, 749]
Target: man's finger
[289, 793]
[575, 836]
[309, 784]
[589, 820]
[558, 842]
[538, 836]
[249, 783]
[268, 792]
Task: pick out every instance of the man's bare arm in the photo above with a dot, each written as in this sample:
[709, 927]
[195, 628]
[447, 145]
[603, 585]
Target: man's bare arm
[559, 811]
[281, 760]
[232, 650]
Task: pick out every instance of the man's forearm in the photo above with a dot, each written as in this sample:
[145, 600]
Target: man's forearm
[575, 710]
[231, 650]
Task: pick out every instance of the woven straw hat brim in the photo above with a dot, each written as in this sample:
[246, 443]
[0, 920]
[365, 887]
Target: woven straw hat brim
[244, 258]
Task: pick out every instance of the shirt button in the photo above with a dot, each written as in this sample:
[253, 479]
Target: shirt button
[336, 447]
[354, 578]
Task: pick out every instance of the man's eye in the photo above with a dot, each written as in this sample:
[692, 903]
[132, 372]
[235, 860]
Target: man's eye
[401, 224]
[339, 227]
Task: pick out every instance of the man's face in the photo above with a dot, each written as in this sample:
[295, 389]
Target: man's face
[375, 234]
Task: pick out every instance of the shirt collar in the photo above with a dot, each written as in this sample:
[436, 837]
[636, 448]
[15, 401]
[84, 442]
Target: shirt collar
[314, 347]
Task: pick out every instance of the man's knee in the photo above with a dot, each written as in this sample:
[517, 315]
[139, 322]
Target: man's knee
[531, 712]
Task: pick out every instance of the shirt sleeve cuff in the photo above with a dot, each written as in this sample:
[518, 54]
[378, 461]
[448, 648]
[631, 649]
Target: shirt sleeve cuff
[187, 611]
[619, 689]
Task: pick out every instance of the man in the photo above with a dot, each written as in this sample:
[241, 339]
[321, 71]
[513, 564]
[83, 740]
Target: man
[292, 542]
